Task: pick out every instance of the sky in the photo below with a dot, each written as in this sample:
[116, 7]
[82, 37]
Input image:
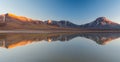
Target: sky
[76, 11]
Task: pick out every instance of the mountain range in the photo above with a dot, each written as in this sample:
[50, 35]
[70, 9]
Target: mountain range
[13, 22]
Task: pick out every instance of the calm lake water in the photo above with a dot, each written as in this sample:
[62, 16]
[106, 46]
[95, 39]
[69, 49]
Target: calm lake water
[60, 47]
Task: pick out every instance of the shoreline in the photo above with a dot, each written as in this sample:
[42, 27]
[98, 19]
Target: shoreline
[57, 31]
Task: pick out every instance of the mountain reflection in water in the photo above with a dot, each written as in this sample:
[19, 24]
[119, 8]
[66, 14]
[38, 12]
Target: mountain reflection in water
[14, 40]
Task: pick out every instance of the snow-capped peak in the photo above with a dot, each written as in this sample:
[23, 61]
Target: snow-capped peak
[103, 21]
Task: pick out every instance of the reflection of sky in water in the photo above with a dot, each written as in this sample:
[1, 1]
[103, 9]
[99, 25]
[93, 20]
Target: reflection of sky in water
[76, 50]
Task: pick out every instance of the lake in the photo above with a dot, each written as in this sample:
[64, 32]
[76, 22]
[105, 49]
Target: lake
[60, 47]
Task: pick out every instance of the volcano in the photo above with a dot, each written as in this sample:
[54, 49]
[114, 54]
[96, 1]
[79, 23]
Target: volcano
[101, 23]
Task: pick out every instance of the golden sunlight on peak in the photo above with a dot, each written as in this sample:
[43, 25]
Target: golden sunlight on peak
[21, 18]
[49, 21]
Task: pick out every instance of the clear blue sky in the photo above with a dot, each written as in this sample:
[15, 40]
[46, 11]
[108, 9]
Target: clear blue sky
[77, 11]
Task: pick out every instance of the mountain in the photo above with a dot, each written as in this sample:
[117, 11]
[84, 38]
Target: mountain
[11, 21]
[62, 23]
[101, 23]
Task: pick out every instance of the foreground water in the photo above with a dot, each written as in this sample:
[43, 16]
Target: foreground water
[60, 47]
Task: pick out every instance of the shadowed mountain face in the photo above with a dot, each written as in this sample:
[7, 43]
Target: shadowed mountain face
[14, 40]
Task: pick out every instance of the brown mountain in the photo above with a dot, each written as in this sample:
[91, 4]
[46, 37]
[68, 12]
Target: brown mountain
[11, 21]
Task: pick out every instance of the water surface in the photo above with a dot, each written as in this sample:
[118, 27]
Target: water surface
[60, 47]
